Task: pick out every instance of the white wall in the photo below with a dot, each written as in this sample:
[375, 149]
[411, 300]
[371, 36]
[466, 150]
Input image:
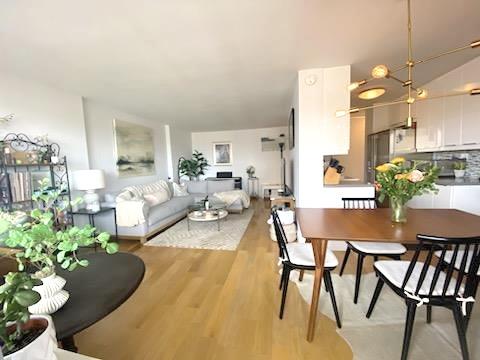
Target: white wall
[99, 125]
[181, 145]
[247, 150]
[41, 110]
[354, 162]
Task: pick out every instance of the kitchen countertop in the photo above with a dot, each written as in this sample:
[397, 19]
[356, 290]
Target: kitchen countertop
[451, 181]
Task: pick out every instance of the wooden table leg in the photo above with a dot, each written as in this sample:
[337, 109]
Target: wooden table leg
[319, 251]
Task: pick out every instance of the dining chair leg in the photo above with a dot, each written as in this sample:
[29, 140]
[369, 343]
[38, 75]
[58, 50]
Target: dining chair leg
[470, 305]
[286, 276]
[376, 294]
[300, 277]
[329, 286]
[459, 322]
[375, 258]
[411, 308]
[345, 259]
[358, 277]
[429, 314]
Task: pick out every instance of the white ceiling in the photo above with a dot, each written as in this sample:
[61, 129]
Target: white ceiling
[220, 64]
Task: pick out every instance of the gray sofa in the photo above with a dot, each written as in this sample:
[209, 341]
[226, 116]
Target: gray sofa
[163, 215]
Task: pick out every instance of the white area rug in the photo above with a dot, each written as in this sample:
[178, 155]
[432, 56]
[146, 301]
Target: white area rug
[381, 336]
[205, 235]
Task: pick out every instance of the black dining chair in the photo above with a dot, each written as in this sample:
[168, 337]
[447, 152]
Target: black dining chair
[364, 248]
[299, 256]
[457, 264]
[432, 283]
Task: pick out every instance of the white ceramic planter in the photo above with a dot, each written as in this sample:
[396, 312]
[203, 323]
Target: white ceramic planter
[42, 348]
[459, 173]
[53, 297]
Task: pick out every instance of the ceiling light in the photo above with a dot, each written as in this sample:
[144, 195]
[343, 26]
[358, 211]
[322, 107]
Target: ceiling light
[356, 84]
[340, 113]
[475, 92]
[422, 93]
[380, 72]
[372, 93]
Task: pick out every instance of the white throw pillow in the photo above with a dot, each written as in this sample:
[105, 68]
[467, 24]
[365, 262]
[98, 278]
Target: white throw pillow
[156, 198]
[180, 190]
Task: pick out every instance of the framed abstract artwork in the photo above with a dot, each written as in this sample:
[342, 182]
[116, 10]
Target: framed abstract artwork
[134, 149]
[291, 129]
[222, 153]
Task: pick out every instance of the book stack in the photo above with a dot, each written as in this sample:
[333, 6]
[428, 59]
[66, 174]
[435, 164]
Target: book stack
[21, 186]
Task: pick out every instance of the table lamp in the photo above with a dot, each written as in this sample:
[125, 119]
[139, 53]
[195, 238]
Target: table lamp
[89, 181]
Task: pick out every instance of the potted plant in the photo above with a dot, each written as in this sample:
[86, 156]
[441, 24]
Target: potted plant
[22, 336]
[401, 182]
[459, 168]
[251, 171]
[194, 167]
[44, 245]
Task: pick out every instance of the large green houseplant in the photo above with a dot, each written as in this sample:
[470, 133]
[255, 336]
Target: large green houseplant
[43, 245]
[194, 167]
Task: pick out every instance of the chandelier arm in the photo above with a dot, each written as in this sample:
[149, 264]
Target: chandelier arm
[433, 57]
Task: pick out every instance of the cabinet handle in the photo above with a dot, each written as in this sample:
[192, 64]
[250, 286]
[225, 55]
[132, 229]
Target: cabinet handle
[470, 143]
[451, 145]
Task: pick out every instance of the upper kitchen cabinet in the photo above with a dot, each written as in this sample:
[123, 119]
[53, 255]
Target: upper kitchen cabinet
[452, 121]
[429, 117]
[471, 104]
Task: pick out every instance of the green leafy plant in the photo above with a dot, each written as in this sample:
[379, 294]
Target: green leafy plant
[459, 165]
[43, 243]
[193, 167]
[401, 182]
[250, 171]
[16, 295]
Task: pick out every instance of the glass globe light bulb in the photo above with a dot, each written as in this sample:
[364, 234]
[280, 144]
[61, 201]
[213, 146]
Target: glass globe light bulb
[380, 71]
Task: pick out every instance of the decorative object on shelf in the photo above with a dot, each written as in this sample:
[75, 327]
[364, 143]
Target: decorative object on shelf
[222, 153]
[250, 171]
[413, 93]
[44, 245]
[19, 179]
[192, 168]
[333, 172]
[291, 129]
[459, 168]
[134, 149]
[89, 181]
[400, 182]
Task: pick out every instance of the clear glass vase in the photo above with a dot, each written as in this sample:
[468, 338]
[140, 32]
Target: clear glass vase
[399, 210]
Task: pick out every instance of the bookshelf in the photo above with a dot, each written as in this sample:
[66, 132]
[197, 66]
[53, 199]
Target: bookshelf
[23, 162]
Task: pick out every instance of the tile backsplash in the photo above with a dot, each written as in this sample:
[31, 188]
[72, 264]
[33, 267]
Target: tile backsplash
[471, 157]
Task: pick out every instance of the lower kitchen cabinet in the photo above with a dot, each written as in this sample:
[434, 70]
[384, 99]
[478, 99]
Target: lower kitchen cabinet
[464, 197]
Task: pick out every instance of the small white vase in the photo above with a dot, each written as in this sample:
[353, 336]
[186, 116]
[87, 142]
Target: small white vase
[42, 348]
[53, 297]
[459, 173]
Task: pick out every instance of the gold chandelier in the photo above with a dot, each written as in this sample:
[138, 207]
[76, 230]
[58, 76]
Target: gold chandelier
[413, 94]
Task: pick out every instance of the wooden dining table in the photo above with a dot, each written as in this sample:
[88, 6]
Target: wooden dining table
[319, 226]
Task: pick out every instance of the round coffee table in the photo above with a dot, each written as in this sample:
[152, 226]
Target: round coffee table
[199, 213]
[96, 291]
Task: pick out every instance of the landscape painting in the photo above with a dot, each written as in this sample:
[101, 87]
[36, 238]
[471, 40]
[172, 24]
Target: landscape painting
[134, 151]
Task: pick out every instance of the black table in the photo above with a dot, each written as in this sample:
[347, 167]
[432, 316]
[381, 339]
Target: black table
[96, 291]
[91, 215]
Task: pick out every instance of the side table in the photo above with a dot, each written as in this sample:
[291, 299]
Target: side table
[91, 215]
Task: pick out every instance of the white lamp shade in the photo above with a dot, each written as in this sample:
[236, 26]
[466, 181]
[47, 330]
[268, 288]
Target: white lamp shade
[88, 179]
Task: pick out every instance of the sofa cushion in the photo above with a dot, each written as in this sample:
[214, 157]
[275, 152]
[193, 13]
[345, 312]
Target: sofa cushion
[179, 190]
[169, 208]
[196, 187]
[215, 186]
[156, 198]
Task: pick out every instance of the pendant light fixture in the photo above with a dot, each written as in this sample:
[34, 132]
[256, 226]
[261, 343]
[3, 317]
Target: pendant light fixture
[413, 94]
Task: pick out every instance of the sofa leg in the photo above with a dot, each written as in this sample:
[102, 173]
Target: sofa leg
[143, 240]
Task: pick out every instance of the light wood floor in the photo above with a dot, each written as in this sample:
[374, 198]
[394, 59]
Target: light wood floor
[201, 304]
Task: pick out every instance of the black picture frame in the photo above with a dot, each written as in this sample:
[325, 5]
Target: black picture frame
[291, 129]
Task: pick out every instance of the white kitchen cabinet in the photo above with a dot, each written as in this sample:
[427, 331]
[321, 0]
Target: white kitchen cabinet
[470, 120]
[466, 198]
[452, 122]
[441, 200]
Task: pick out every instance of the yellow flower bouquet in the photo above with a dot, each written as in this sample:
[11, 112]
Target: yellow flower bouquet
[401, 180]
